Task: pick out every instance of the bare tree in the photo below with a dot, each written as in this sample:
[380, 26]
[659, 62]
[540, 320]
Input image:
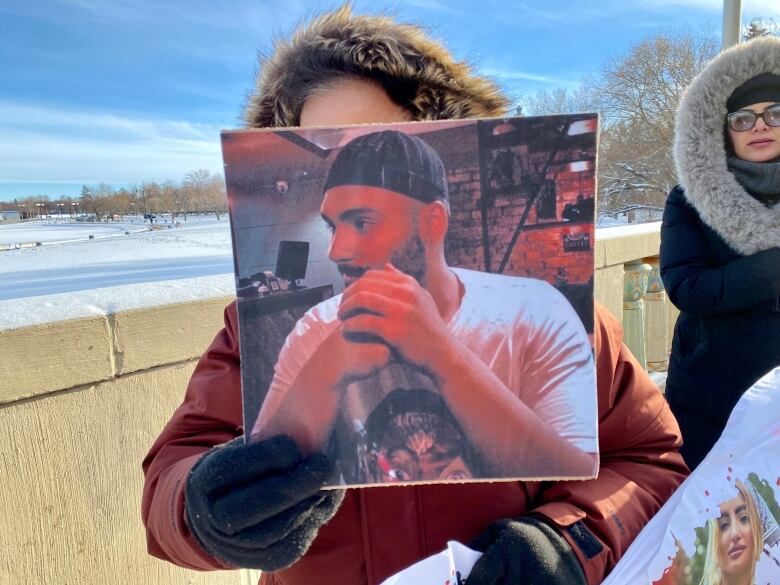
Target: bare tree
[195, 188]
[95, 200]
[153, 197]
[559, 101]
[636, 94]
[760, 28]
[168, 198]
[216, 196]
[206, 192]
[200, 190]
[122, 202]
[104, 201]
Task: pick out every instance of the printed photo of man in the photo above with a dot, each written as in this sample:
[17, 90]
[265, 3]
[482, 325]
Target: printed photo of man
[476, 375]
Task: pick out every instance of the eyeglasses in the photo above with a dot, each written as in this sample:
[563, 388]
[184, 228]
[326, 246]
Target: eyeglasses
[744, 120]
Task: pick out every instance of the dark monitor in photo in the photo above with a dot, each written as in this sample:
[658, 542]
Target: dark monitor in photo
[291, 261]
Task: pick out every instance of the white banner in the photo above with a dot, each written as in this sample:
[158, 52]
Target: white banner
[450, 567]
[721, 525]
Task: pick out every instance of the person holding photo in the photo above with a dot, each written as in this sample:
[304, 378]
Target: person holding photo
[720, 240]
[213, 502]
[734, 542]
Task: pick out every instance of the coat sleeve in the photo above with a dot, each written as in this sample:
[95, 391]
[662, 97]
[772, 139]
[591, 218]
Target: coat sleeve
[640, 465]
[209, 415]
[695, 283]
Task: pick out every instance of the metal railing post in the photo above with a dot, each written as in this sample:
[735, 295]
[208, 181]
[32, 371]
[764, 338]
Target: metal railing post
[732, 20]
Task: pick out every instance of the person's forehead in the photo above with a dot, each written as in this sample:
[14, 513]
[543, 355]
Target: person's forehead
[351, 100]
[343, 198]
[759, 107]
[732, 504]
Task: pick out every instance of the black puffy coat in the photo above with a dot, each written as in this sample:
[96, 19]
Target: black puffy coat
[728, 332]
[720, 257]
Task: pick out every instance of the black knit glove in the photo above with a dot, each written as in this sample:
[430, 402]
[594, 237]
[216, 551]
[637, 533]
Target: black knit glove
[259, 505]
[527, 551]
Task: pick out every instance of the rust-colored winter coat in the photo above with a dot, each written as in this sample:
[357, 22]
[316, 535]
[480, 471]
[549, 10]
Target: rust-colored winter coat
[379, 531]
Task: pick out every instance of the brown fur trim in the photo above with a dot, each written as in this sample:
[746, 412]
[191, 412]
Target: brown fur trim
[417, 72]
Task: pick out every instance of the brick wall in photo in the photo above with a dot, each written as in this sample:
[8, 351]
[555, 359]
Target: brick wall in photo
[539, 249]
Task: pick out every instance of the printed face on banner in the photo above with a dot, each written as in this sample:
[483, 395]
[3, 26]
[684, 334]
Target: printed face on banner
[736, 528]
[417, 301]
[740, 545]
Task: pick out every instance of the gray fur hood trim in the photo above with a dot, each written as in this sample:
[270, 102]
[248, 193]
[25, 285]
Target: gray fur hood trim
[743, 222]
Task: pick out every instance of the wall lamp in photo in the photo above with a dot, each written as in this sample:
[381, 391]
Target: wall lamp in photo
[503, 128]
[583, 127]
[579, 166]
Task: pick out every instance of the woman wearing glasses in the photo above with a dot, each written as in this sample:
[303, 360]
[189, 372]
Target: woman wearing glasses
[720, 240]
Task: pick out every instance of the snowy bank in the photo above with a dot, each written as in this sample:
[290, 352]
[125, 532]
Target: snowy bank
[30, 311]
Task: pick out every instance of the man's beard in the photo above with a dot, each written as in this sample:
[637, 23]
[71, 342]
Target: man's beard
[409, 259]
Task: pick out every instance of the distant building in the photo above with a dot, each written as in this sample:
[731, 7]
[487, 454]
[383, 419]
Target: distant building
[10, 216]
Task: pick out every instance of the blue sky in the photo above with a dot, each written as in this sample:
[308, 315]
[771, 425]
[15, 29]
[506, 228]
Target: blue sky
[123, 92]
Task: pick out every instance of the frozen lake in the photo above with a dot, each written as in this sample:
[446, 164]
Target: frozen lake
[69, 261]
[48, 233]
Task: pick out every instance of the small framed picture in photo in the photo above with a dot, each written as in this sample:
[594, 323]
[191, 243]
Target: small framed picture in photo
[273, 284]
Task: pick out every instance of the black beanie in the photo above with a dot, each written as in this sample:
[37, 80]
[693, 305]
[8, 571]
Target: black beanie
[394, 161]
[761, 88]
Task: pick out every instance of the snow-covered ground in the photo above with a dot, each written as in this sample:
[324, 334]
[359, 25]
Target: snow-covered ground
[605, 221]
[71, 276]
[56, 231]
[659, 378]
[633, 229]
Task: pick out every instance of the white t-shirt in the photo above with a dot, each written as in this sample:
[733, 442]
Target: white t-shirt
[522, 328]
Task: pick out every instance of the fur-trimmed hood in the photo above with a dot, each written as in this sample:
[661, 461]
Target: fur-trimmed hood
[742, 221]
[374, 47]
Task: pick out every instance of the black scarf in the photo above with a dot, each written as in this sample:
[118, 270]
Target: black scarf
[761, 180]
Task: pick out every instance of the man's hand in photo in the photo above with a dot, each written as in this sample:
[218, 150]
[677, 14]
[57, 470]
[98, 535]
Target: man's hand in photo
[308, 409]
[355, 357]
[393, 307]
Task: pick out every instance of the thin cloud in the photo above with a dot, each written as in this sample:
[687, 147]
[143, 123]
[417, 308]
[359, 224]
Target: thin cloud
[52, 120]
[514, 75]
[750, 8]
[432, 5]
[244, 18]
[529, 15]
[70, 146]
[707, 4]
[181, 27]
[523, 12]
[113, 12]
